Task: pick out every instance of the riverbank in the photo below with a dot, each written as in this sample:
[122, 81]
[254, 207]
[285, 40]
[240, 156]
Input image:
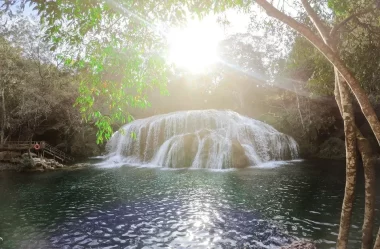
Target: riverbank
[40, 165]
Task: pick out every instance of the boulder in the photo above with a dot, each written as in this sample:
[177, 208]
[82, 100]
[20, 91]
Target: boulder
[28, 163]
[239, 158]
[27, 155]
[58, 166]
[190, 148]
[50, 162]
[38, 162]
[301, 244]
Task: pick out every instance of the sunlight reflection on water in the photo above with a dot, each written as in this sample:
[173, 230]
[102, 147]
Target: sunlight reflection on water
[134, 207]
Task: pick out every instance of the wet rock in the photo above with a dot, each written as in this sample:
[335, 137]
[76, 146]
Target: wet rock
[59, 166]
[302, 244]
[24, 163]
[239, 158]
[191, 148]
[42, 164]
[27, 155]
[28, 163]
[38, 162]
[79, 166]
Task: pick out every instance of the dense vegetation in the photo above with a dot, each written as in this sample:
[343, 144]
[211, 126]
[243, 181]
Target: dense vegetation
[41, 93]
[38, 94]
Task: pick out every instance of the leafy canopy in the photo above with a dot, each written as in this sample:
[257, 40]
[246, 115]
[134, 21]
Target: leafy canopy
[116, 47]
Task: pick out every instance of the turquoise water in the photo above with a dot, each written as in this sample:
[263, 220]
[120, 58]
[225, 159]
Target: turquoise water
[131, 207]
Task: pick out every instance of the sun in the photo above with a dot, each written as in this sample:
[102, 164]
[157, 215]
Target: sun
[194, 48]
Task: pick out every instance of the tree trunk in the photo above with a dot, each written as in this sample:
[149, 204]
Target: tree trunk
[325, 46]
[342, 95]
[3, 118]
[377, 243]
[356, 89]
[369, 175]
[299, 109]
[370, 197]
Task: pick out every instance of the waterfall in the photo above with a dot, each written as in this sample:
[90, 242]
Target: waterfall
[200, 139]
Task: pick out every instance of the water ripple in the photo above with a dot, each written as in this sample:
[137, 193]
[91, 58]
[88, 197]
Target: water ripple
[151, 208]
[170, 223]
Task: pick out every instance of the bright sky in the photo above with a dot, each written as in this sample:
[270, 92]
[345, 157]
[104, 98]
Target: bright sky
[194, 47]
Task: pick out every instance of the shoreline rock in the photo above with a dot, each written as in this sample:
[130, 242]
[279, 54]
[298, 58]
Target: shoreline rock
[43, 165]
[35, 164]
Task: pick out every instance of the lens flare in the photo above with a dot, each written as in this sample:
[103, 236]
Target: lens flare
[194, 47]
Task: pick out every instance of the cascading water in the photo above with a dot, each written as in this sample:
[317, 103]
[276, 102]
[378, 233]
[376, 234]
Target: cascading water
[200, 139]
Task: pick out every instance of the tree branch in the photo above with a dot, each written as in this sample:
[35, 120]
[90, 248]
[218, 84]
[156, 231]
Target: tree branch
[335, 29]
[366, 26]
[353, 83]
[301, 28]
[321, 27]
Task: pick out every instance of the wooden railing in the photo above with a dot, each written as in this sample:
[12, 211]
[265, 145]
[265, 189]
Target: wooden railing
[44, 148]
[56, 152]
[22, 142]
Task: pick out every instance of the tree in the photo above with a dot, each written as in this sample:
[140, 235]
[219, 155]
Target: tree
[39, 93]
[11, 75]
[326, 42]
[321, 79]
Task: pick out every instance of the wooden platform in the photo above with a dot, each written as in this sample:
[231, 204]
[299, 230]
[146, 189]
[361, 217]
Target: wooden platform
[45, 148]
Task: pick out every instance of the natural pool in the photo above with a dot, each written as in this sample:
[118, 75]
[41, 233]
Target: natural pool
[129, 207]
